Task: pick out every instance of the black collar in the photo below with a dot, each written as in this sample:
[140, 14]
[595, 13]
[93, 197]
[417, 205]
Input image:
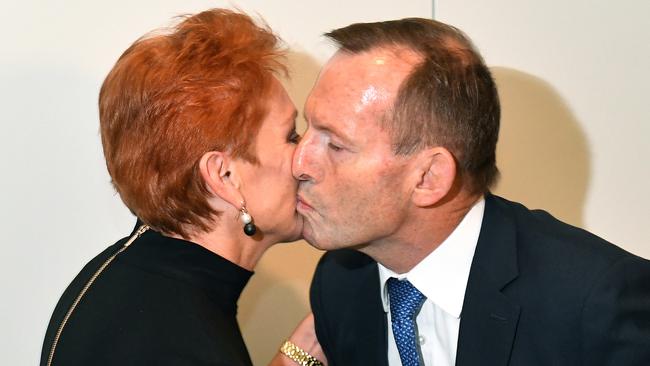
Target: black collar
[189, 262]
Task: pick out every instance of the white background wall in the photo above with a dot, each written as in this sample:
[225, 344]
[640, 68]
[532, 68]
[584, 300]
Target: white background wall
[572, 75]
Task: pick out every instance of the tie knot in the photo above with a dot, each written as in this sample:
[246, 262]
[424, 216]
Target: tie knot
[405, 299]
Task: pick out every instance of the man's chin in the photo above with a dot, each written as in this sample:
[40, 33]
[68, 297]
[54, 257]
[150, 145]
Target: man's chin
[330, 243]
[307, 235]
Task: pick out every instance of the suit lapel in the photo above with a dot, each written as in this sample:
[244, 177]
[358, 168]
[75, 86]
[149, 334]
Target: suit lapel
[351, 321]
[489, 319]
[369, 336]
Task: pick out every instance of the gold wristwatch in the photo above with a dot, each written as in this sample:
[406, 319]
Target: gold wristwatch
[299, 355]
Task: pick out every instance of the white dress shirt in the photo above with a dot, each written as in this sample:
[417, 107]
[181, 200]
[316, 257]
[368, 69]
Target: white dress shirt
[442, 278]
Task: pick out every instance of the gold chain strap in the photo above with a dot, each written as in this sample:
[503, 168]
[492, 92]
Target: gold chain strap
[133, 237]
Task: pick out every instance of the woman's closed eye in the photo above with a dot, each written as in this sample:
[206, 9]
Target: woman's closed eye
[293, 137]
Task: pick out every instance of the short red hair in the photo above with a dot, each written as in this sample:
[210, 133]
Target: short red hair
[172, 97]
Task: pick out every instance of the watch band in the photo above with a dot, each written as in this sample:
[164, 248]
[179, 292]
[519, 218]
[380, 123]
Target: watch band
[298, 354]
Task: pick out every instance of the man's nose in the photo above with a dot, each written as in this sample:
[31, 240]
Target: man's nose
[302, 164]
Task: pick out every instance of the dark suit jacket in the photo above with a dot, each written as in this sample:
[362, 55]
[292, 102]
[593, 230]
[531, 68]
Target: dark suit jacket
[540, 292]
[162, 301]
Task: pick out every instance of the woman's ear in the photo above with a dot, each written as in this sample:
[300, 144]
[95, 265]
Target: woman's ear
[215, 168]
[437, 174]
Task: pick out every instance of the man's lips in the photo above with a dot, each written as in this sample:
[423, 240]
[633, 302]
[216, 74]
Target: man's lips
[302, 204]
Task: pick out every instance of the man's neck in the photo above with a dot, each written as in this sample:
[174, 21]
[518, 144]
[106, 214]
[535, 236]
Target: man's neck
[421, 234]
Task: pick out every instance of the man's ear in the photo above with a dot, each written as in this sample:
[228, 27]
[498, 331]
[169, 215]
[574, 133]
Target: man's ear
[437, 174]
[216, 171]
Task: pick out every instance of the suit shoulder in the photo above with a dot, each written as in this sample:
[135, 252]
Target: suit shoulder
[541, 233]
[343, 272]
[344, 259]
[344, 266]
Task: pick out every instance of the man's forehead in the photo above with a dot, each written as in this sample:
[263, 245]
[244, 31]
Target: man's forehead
[365, 82]
[347, 99]
[380, 68]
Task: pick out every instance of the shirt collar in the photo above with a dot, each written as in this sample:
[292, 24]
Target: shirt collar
[442, 275]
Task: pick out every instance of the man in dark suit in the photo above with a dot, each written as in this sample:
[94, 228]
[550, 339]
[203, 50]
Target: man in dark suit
[425, 266]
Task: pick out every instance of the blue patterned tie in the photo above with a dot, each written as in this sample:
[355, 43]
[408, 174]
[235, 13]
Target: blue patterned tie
[405, 303]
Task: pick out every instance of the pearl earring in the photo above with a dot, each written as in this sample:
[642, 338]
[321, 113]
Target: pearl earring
[247, 220]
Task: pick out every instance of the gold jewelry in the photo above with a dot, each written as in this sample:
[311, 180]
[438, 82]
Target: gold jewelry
[298, 354]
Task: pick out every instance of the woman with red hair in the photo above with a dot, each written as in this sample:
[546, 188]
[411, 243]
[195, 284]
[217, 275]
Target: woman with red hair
[198, 136]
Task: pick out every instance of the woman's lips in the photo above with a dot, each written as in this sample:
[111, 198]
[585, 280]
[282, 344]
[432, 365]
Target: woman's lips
[301, 205]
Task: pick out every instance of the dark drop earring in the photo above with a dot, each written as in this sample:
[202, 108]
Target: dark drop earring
[247, 220]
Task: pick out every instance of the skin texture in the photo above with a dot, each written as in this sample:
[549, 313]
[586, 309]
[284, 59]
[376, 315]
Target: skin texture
[344, 161]
[354, 192]
[267, 188]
